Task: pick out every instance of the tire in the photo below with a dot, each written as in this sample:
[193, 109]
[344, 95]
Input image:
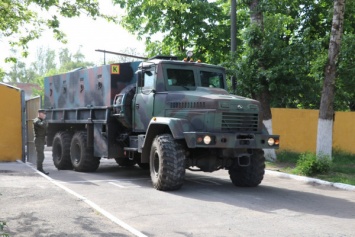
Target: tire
[167, 163]
[249, 176]
[82, 158]
[61, 151]
[125, 162]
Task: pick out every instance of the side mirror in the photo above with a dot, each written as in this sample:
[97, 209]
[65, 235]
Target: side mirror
[140, 79]
[234, 84]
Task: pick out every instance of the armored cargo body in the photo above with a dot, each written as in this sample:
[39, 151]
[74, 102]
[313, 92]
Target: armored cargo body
[162, 114]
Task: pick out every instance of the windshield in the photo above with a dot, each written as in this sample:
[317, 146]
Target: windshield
[211, 79]
[181, 79]
[190, 78]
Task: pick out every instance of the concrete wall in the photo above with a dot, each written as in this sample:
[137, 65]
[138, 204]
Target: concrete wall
[298, 129]
[11, 123]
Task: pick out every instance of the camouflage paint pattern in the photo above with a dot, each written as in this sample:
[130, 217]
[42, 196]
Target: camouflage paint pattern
[109, 97]
[91, 87]
[86, 96]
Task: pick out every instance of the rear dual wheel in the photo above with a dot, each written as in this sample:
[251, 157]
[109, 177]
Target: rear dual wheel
[82, 158]
[61, 150]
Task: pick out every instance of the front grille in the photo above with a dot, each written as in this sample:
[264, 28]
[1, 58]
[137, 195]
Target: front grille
[241, 122]
[189, 105]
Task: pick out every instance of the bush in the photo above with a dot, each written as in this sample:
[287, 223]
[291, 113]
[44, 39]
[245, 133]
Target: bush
[2, 227]
[309, 165]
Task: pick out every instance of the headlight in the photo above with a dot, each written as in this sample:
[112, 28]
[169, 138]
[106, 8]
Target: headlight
[271, 141]
[207, 140]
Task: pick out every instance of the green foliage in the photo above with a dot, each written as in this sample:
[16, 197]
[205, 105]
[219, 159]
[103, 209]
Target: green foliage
[290, 58]
[68, 62]
[342, 168]
[45, 65]
[3, 233]
[285, 55]
[186, 24]
[21, 23]
[2, 75]
[288, 156]
[309, 164]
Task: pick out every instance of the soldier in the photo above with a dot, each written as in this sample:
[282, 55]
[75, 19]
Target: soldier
[40, 130]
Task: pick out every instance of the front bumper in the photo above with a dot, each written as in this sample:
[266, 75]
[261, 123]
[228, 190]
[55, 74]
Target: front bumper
[231, 140]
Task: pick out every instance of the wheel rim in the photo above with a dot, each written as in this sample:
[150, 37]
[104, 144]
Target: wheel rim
[58, 152]
[76, 153]
[156, 164]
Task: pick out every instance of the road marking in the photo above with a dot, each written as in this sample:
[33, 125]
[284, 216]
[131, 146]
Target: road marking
[124, 186]
[101, 180]
[93, 205]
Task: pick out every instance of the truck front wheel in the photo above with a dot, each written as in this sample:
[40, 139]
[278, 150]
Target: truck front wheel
[167, 163]
[82, 158]
[61, 151]
[251, 175]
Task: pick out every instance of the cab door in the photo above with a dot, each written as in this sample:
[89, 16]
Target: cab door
[143, 102]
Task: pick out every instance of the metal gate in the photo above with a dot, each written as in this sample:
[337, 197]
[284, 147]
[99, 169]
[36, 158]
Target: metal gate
[32, 106]
[12, 123]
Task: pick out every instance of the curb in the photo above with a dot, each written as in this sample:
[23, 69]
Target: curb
[347, 187]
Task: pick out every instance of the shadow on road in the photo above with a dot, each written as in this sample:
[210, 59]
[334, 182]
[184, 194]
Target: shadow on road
[269, 197]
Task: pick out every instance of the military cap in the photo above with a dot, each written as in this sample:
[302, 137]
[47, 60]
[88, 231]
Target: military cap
[41, 111]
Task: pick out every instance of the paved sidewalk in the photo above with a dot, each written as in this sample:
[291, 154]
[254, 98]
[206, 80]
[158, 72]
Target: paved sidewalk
[32, 205]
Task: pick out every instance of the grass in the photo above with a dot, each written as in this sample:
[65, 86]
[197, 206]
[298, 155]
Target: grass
[2, 231]
[342, 167]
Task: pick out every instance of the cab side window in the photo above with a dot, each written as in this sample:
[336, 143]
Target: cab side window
[148, 79]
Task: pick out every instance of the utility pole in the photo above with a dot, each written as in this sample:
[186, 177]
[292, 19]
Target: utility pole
[233, 26]
[234, 38]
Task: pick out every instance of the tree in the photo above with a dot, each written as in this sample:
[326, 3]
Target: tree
[2, 75]
[20, 74]
[183, 25]
[79, 56]
[45, 60]
[256, 37]
[68, 62]
[326, 111]
[64, 56]
[21, 23]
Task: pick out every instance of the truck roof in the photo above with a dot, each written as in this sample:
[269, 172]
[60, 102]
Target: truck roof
[181, 62]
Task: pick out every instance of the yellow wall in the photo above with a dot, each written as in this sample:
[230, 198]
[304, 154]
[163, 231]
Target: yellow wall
[298, 129]
[344, 131]
[10, 123]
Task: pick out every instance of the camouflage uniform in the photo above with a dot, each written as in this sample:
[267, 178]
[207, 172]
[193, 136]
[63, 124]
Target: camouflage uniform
[40, 130]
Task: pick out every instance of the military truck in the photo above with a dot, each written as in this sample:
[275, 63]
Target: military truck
[163, 114]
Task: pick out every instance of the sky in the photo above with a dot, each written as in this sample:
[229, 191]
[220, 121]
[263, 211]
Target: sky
[85, 33]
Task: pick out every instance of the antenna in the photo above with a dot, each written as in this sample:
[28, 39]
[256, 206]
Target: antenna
[120, 54]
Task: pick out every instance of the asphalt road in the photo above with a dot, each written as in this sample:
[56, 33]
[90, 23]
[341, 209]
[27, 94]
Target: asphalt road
[209, 205]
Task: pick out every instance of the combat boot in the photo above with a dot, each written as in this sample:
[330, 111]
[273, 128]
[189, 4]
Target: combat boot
[42, 171]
